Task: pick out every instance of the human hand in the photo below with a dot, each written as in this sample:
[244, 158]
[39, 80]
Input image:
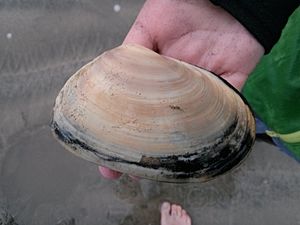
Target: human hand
[197, 32]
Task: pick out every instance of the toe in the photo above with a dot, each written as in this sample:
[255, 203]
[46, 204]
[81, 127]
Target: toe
[188, 220]
[176, 210]
[165, 216]
[165, 208]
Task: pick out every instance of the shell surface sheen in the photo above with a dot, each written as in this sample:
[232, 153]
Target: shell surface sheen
[141, 113]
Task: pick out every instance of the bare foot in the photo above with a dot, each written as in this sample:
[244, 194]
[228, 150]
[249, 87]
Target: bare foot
[174, 215]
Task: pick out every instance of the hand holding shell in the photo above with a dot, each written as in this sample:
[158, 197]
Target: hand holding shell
[137, 112]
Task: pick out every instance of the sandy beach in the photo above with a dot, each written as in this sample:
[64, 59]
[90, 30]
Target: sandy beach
[42, 44]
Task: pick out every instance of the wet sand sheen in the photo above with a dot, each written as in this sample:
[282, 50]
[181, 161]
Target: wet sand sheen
[41, 45]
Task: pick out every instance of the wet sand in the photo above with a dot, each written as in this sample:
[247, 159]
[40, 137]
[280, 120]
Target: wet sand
[41, 45]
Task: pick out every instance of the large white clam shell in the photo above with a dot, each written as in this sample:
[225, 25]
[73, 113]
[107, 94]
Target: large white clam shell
[135, 111]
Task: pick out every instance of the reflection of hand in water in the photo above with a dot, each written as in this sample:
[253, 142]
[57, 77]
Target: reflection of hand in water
[199, 33]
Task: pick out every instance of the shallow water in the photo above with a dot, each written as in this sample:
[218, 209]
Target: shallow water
[41, 45]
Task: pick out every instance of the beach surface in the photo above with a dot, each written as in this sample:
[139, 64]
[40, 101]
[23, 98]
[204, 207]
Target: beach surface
[42, 43]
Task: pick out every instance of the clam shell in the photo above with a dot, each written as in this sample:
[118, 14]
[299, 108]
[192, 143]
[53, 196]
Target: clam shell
[135, 111]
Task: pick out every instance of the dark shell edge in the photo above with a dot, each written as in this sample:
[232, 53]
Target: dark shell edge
[179, 167]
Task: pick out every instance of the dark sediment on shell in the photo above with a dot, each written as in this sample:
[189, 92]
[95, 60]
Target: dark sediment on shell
[183, 166]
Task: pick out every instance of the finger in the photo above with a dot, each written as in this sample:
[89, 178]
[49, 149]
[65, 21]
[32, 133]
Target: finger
[235, 79]
[138, 34]
[108, 173]
[135, 178]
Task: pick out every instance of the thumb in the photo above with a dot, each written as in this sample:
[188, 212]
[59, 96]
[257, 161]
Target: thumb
[138, 34]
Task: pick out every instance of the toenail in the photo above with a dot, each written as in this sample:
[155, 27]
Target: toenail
[165, 205]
